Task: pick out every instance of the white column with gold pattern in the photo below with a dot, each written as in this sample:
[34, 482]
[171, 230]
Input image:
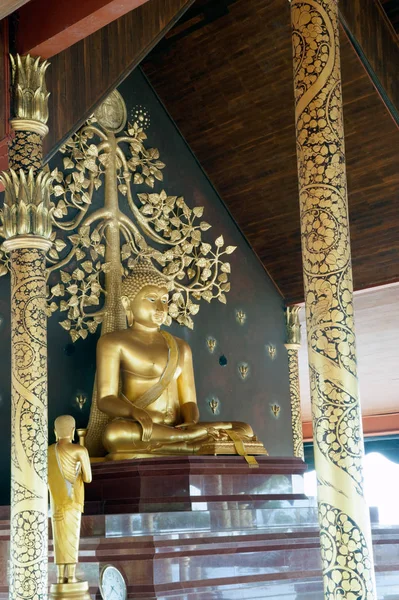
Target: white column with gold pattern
[26, 222]
[347, 558]
[293, 344]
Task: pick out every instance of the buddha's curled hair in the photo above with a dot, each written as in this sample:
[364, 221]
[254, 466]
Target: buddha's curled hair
[142, 274]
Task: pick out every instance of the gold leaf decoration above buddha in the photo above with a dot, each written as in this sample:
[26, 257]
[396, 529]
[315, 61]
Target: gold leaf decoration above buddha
[111, 114]
[104, 244]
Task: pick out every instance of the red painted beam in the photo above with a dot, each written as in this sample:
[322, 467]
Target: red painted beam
[47, 27]
[9, 6]
[373, 425]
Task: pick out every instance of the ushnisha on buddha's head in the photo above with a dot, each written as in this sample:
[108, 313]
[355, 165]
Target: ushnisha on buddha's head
[145, 297]
[64, 427]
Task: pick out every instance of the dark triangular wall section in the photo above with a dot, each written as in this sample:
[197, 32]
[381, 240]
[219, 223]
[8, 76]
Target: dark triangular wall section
[72, 366]
[252, 291]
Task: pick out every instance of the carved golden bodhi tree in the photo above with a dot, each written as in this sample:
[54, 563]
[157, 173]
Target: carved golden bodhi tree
[95, 247]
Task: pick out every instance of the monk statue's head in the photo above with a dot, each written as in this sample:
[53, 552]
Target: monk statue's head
[145, 296]
[64, 427]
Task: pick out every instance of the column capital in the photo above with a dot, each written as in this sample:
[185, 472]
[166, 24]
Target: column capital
[293, 327]
[27, 210]
[30, 125]
[29, 94]
[27, 241]
[293, 346]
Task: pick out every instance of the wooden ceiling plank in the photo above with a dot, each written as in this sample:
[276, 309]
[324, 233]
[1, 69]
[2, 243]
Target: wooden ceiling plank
[46, 28]
[377, 45]
[9, 6]
[81, 76]
[247, 146]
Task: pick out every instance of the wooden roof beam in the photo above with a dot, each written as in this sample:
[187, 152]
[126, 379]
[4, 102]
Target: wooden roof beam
[9, 6]
[377, 45]
[81, 76]
[47, 27]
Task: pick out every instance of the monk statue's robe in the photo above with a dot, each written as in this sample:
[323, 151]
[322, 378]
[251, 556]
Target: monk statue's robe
[66, 500]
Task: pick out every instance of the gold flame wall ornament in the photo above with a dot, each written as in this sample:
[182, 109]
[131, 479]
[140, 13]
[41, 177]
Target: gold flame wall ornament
[81, 400]
[272, 350]
[345, 533]
[243, 369]
[241, 317]
[211, 343]
[214, 405]
[26, 225]
[275, 408]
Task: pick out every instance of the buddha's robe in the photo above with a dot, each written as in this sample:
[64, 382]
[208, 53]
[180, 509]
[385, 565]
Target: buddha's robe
[66, 501]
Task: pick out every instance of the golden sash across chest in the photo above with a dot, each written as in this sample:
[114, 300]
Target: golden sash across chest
[167, 376]
[158, 389]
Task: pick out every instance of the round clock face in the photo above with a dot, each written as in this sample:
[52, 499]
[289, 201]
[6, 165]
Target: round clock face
[112, 584]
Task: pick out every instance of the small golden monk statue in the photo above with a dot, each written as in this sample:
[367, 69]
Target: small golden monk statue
[68, 470]
[145, 383]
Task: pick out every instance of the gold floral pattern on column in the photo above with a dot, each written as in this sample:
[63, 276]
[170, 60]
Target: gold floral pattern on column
[28, 564]
[343, 514]
[348, 566]
[293, 344]
[296, 419]
[26, 217]
[26, 150]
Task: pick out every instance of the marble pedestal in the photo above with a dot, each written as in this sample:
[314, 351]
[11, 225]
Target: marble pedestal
[206, 528]
[179, 483]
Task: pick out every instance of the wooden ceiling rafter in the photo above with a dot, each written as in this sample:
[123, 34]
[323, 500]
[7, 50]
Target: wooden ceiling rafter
[46, 28]
[9, 6]
[83, 75]
[375, 41]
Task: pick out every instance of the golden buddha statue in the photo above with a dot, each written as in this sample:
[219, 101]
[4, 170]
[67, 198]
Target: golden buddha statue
[145, 384]
[68, 469]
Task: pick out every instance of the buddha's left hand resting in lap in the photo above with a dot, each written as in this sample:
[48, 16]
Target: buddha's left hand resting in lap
[146, 383]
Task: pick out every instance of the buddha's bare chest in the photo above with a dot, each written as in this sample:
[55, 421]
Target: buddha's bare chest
[142, 360]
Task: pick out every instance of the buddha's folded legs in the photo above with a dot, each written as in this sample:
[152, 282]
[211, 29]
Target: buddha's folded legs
[243, 429]
[123, 436]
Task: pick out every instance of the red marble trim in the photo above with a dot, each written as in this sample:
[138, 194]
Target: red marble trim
[198, 465]
[239, 579]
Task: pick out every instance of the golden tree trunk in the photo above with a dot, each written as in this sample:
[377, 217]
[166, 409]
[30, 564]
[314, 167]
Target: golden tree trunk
[114, 316]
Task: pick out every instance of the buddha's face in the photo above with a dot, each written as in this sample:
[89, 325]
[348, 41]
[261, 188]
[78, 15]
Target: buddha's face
[150, 306]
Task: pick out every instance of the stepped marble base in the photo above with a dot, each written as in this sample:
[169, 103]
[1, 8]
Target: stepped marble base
[206, 528]
[181, 482]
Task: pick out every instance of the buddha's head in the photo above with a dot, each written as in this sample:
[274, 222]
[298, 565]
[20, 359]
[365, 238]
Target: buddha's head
[145, 296]
[64, 427]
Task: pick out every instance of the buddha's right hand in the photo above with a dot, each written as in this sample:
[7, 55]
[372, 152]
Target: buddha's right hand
[145, 421]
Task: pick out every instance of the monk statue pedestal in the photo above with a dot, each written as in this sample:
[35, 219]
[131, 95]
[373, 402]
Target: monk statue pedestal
[70, 591]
